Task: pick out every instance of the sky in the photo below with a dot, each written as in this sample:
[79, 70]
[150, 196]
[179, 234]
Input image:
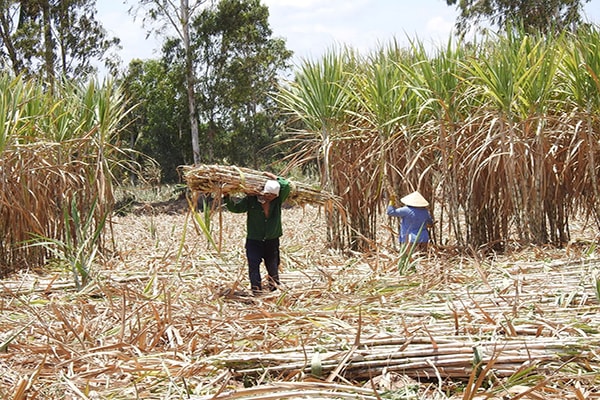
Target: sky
[311, 27]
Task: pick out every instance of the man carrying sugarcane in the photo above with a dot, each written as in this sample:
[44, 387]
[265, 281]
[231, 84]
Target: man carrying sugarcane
[263, 229]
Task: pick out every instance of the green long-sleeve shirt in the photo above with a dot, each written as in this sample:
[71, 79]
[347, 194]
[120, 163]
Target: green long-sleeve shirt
[258, 226]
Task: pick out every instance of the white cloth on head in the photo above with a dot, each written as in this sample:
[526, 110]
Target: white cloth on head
[272, 186]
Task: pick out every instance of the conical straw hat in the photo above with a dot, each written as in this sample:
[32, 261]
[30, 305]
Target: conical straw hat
[415, 199]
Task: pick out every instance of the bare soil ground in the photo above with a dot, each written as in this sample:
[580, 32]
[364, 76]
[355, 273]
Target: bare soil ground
[167, 316]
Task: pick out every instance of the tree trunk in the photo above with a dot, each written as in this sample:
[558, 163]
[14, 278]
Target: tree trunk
[5, 36]
[190, 79]
[48, 44]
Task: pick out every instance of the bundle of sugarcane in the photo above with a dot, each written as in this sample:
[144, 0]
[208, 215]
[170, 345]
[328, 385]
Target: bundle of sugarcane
[452, 357]
[230, 180]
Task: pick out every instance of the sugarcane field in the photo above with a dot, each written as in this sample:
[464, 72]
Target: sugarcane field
[112, 288]
[169, 314]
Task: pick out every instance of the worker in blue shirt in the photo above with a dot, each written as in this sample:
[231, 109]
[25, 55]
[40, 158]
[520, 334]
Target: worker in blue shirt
[415, 219]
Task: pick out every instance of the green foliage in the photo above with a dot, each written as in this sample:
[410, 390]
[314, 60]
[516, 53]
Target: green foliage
[158, 119]
[237, 67]
[502, 134]
[532, 15]
[78, 250]
[202, 221]
[47, 39]
[580, 68]
[13, 93]
[318, 98]
[56, 146]
[407, 263]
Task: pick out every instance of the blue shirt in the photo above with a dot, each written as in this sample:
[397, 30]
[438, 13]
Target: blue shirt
[413, 223]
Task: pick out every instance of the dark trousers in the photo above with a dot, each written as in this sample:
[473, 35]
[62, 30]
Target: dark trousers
[256, 252]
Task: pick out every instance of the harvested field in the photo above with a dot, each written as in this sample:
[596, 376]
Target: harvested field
[168, 318]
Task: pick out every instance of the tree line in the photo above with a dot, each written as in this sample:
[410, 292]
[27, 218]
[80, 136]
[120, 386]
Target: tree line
[209, 86]
[207, 96]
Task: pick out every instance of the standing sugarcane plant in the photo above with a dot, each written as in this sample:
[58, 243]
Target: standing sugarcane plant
[580, 88]
[58, 157]
[376, 94]
[502, 134]
[317, 101]
[436, 82]
[77, 251]
[501, 178]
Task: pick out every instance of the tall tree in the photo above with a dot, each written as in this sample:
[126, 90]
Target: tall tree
[158, 125]
[238, 65]
[533, 15]
[71, 38]
[169, 14]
